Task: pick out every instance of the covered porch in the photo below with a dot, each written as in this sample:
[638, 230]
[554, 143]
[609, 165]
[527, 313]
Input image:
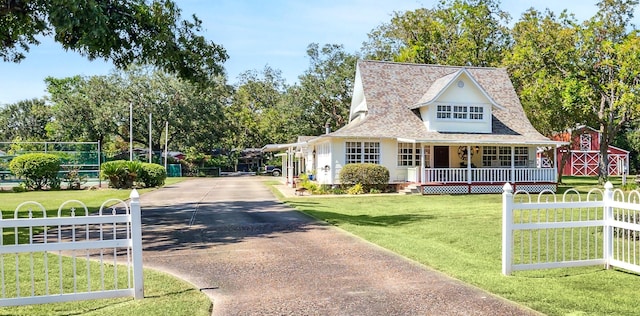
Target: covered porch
[475, 168]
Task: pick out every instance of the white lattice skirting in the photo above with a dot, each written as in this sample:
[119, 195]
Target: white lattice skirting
[445, 189]
[536, 187]
[484, 188]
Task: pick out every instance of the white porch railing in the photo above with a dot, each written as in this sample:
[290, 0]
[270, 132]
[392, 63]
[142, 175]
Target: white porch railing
[446, 175]
[490, 175]
[49, 259]
[535, 175]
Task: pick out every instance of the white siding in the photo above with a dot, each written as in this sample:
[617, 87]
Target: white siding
[468, 95]
[388, 157]
[323, 155]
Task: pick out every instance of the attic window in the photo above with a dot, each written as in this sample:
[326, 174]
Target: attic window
[460, 112]
[444, 111]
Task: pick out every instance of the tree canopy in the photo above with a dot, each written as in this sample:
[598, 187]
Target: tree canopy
[455, 32]
[125, 32]
[566, 72]
[103, 103]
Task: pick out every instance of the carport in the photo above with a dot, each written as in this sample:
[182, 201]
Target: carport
[293, 160]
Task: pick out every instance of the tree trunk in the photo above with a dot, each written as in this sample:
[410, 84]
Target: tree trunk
[563, 160]
[603, 162]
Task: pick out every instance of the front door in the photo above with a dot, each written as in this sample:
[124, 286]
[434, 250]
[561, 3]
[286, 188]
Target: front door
[441, 156]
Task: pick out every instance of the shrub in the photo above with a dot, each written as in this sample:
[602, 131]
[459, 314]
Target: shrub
[152, 175]
[74, 178]
[19, 188]
[121, 173]
[337, 190]
[38, 170]
[370, 176]
[355, 189]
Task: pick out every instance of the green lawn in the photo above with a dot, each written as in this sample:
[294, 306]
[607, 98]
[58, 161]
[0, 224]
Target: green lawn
[164, 294]
[461, 236]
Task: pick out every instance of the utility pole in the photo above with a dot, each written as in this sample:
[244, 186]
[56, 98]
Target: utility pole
[130, 131]
[150, 150]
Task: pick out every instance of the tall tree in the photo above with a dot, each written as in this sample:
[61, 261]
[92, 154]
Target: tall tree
[606, 78]
[257, 95]
[455, 32]
[125, 32]
[326, 87]
[542, 56]
[25, 121]
[97, 108]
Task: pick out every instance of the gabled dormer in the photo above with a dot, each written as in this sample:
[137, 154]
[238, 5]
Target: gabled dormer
[456, 103]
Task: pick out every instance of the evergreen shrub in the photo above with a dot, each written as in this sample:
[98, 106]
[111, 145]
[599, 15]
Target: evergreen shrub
[38, 170]
[152, 175]
[368, 175]
[121, 173]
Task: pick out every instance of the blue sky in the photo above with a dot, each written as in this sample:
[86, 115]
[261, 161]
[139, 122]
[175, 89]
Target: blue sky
[255, 33]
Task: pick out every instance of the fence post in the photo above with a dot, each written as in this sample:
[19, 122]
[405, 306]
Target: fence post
[608, 228]
[507, 230]
[136, 237]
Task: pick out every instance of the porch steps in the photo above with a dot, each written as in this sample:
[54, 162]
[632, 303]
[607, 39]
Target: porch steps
[411, 189]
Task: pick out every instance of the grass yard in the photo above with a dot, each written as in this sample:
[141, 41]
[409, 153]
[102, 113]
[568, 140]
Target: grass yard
[461, 236]
[164, 294]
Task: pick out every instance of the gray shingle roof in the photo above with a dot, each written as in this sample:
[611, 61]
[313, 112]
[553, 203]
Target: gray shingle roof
[391, 89]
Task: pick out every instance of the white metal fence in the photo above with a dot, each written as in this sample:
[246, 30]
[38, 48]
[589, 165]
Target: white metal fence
[601, 227]
[46, 259]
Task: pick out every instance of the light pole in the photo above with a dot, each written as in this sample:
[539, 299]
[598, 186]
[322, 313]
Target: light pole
[166, 143]
[150, 152]
[130, 131]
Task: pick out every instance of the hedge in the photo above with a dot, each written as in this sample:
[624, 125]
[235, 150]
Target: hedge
[152, 175]
[124, 174]
[39, 170]
[370, 176]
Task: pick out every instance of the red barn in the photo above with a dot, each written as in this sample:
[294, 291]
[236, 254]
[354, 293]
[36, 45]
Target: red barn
[584, 154]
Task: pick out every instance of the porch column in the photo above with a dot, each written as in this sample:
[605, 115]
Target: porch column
[290, 166]
[422, 163]
[555, 163]
[469, 164]
[513, 164]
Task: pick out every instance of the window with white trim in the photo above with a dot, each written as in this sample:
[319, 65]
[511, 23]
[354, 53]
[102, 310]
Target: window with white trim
[585, 142]
[444, 112]
[460, 112]
[371, 152]
[408, 155]
[476, 112]
[405, 154]
[353, 151]
[362, 152]
[493, 156]
[521, 156]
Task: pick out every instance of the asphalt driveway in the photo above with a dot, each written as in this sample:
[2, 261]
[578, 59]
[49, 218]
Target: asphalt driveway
[253, 255]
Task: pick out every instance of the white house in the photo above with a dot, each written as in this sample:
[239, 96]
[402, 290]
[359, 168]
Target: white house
[447, 129]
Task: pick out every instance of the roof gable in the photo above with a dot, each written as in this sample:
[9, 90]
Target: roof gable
[443, 84]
